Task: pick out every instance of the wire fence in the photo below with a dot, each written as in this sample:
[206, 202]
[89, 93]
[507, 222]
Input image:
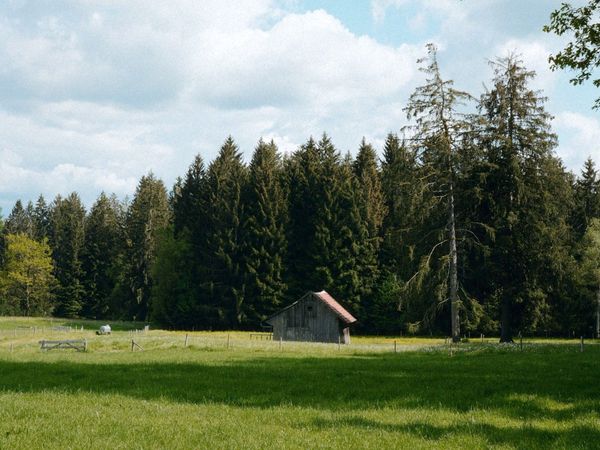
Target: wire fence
[28, 339]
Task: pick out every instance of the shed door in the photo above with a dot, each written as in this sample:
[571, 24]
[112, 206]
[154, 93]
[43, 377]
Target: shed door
[347, 335]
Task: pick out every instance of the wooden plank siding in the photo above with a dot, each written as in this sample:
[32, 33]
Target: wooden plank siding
[309, 319]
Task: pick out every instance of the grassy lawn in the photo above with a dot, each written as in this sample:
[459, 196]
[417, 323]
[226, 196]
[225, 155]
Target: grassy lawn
[256, 394]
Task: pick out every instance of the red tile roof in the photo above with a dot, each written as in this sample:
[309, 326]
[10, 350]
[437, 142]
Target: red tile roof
[335, 307]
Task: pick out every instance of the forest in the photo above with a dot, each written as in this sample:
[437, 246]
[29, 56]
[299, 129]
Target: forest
[465, 222]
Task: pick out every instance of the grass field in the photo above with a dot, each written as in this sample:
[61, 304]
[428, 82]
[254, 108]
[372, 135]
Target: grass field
[225, 390]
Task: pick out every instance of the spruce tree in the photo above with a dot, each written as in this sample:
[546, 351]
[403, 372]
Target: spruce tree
[525, 185]
[66, 240]
[264, 240]
[587, 198]
[326, 227]
[400, 185]
[20, 220]
[438, 131]
[369, 197]
[174, 298]
[314, 188]
[224, 274]
[147, 216]
[102, 255]
[353, 261]
[41, 219]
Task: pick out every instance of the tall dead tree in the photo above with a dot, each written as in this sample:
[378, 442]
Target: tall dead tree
[437, 133]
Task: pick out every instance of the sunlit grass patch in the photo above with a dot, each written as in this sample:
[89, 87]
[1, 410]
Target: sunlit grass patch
[226, 390]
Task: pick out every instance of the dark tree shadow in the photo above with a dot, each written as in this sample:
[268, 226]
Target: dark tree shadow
[519, 386]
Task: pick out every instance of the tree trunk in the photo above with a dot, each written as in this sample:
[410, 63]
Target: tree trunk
[598, 313]
[454, 307]
[505, 327]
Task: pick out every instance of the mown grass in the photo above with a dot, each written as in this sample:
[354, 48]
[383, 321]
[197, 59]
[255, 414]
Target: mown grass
[260, 395]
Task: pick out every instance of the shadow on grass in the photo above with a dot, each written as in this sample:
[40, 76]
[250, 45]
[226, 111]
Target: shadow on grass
[525, 437]
[560, 386]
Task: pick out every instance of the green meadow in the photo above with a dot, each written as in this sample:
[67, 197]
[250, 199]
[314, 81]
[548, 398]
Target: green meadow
[233, 390]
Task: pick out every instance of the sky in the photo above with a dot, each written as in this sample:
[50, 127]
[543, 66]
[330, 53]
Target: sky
[96, 93]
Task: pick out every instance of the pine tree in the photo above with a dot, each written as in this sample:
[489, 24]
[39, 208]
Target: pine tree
[265, 245]
[19, 220]
[41, 219]
[326, 226]
[148, 215]
[353, 257]
[314, 186]
[174, 300]
[589, 268]
[102, 255]
[439, 129]
[587, 198]
[225, 265]
[369, 197]
[525, 186]
[400, 185]
[190, 201]
[66, 240]
[186, 306]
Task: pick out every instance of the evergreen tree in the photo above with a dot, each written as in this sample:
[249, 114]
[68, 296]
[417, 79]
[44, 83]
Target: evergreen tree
[224, 285]
[589, 269]
[265, 245]
[174, 293]
[587, 198]
[368, 195]
[407, 204]
[102, 255]
[353, 251]
[147, 216]
[313, 189]
[41, 219]
[190, 201]
[19, 220]
[325, 224]
[525, 186]
[438, 130]
[400, 184]
[66, 240]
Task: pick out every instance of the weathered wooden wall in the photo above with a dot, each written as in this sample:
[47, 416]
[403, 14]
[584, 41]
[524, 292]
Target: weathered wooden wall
[309, 320]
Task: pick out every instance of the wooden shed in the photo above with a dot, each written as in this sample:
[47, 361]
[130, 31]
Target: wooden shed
[316, 317]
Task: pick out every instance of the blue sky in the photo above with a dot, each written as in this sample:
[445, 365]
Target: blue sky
[95, 93]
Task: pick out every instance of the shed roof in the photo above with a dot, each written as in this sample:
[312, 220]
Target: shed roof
[342, 313]
[329, 301]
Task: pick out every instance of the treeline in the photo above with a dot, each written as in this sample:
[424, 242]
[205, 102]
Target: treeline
[468, 223]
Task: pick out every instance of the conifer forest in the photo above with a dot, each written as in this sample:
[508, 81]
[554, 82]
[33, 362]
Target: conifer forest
[465, 222]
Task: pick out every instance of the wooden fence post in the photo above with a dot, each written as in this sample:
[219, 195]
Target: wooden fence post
[521, 341]
[132, 344]
[395, 348]
[228, 341]
[582, 343]
[186, 339]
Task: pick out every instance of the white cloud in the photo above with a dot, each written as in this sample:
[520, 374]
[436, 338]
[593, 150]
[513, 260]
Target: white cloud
[98, 93]
[579, 136]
